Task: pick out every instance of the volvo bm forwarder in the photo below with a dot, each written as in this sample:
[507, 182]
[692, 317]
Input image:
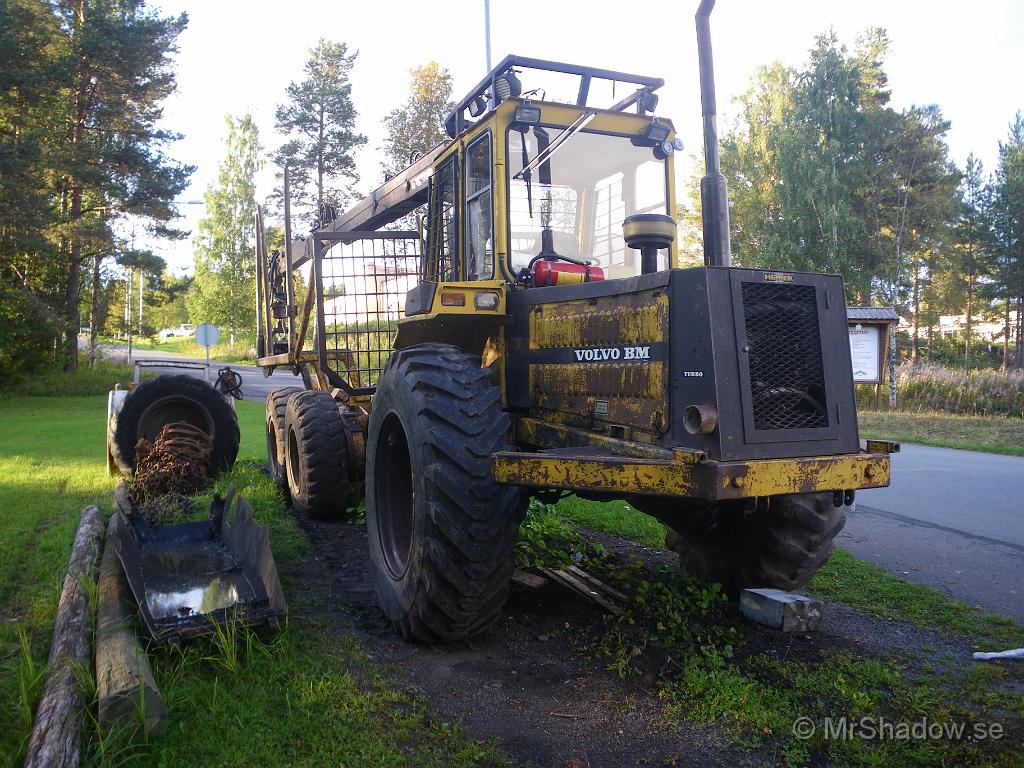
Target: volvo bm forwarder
[534, 335]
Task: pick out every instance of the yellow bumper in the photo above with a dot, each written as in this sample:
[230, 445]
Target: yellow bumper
[711, 480]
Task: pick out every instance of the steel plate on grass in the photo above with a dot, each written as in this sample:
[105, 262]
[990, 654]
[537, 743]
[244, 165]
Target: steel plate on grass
[187, 579]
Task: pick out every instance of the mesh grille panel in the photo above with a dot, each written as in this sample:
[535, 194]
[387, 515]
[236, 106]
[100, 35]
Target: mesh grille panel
[787, 380]
[364, 288]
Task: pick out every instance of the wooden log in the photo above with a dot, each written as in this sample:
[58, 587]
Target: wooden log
[125, 689]
[56, 740]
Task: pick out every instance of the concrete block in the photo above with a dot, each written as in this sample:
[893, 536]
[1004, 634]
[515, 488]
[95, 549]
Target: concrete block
[782, 610]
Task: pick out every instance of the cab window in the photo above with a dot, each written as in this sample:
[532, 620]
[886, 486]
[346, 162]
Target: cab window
[442, 257]
[479, 236]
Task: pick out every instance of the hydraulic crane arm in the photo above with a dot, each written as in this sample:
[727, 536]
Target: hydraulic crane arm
[396, 197]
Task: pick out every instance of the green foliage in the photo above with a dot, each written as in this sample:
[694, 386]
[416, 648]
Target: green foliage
[977, 392]
[223, 291]
[81, 150]
[546, 540]
[824, 176]
[1007, 206]
[669, 610]
[418, 125]
[319, 125]
[166, 306]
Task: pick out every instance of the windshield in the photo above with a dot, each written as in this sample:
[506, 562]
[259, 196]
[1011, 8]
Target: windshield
[581, 194]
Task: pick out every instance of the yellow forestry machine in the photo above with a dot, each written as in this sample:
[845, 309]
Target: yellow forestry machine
[534, 335]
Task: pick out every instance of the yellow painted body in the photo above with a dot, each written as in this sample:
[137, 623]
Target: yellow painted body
[709, 480]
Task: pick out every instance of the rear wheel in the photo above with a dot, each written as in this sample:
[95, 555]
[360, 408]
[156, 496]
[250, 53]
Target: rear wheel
[440, 530]
[779, 542]
[277, 433]
[316, 455]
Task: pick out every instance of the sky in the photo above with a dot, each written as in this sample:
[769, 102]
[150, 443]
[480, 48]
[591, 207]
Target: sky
[239, 56]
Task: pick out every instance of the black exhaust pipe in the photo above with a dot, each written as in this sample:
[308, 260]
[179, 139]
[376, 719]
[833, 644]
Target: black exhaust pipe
[714, 197]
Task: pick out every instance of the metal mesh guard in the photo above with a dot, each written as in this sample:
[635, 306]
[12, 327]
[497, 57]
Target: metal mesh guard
[787, 378]
[364, 287]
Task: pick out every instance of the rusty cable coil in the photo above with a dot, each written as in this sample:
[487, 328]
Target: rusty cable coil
[177, 462]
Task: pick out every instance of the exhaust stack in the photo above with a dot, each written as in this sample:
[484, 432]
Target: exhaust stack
[714, 197]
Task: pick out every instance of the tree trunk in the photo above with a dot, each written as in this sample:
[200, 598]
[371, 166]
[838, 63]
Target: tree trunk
[94, 311]
[915, 354]
[56, 740]
[1006, 334]
[967, 328]
[1019, 337]
[74, 267]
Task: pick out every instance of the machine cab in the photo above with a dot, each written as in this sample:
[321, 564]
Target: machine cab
[534, 192]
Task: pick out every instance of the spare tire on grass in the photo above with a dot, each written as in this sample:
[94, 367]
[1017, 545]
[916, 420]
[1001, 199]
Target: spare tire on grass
[166, 399]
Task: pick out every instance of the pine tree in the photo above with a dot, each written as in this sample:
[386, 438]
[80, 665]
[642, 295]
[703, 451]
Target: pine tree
[119, 71]
[223, 290]
[319, 124]
[1008, 226]
[973, 234]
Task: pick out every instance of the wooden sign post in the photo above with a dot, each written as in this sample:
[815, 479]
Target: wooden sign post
[872, 348]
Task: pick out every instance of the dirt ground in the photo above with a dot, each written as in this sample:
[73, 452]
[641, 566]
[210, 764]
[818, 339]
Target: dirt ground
[526, 686]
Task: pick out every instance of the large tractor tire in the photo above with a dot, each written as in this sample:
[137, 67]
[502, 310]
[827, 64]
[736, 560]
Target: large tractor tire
[316, 455]
[440, 530]
[277, 434]
[172, 398]
[779, 542]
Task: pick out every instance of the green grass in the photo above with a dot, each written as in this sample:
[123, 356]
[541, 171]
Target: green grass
[615, 517]
[54, 382]
[710, 673]
[309, 696]
[994, 434]
[51, 465]
[872, 588]
[843, 578]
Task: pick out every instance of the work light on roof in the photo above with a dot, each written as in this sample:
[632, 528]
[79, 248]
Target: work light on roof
[507, 86]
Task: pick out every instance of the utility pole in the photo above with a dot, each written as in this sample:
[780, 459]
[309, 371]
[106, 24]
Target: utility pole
[140, 301]
[128, 311]
[487, 31]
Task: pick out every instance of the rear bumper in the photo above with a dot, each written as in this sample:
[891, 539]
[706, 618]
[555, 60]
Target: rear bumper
[581, 469]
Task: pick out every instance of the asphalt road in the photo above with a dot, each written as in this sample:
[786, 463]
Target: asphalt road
[951, 519]
[255, 386]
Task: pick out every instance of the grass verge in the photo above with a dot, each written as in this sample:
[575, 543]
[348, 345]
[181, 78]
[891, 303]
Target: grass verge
[54, 382]
[794, 699]
[873, 589]
[993, 434]
[307, 697]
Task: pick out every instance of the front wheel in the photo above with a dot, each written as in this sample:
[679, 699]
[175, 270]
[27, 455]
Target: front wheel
[440, 530]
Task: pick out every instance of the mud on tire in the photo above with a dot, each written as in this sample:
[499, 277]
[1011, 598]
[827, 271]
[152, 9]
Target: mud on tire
[780, 542]
[170, 398]
[440, 530]
[277, 434]
[316, 455]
